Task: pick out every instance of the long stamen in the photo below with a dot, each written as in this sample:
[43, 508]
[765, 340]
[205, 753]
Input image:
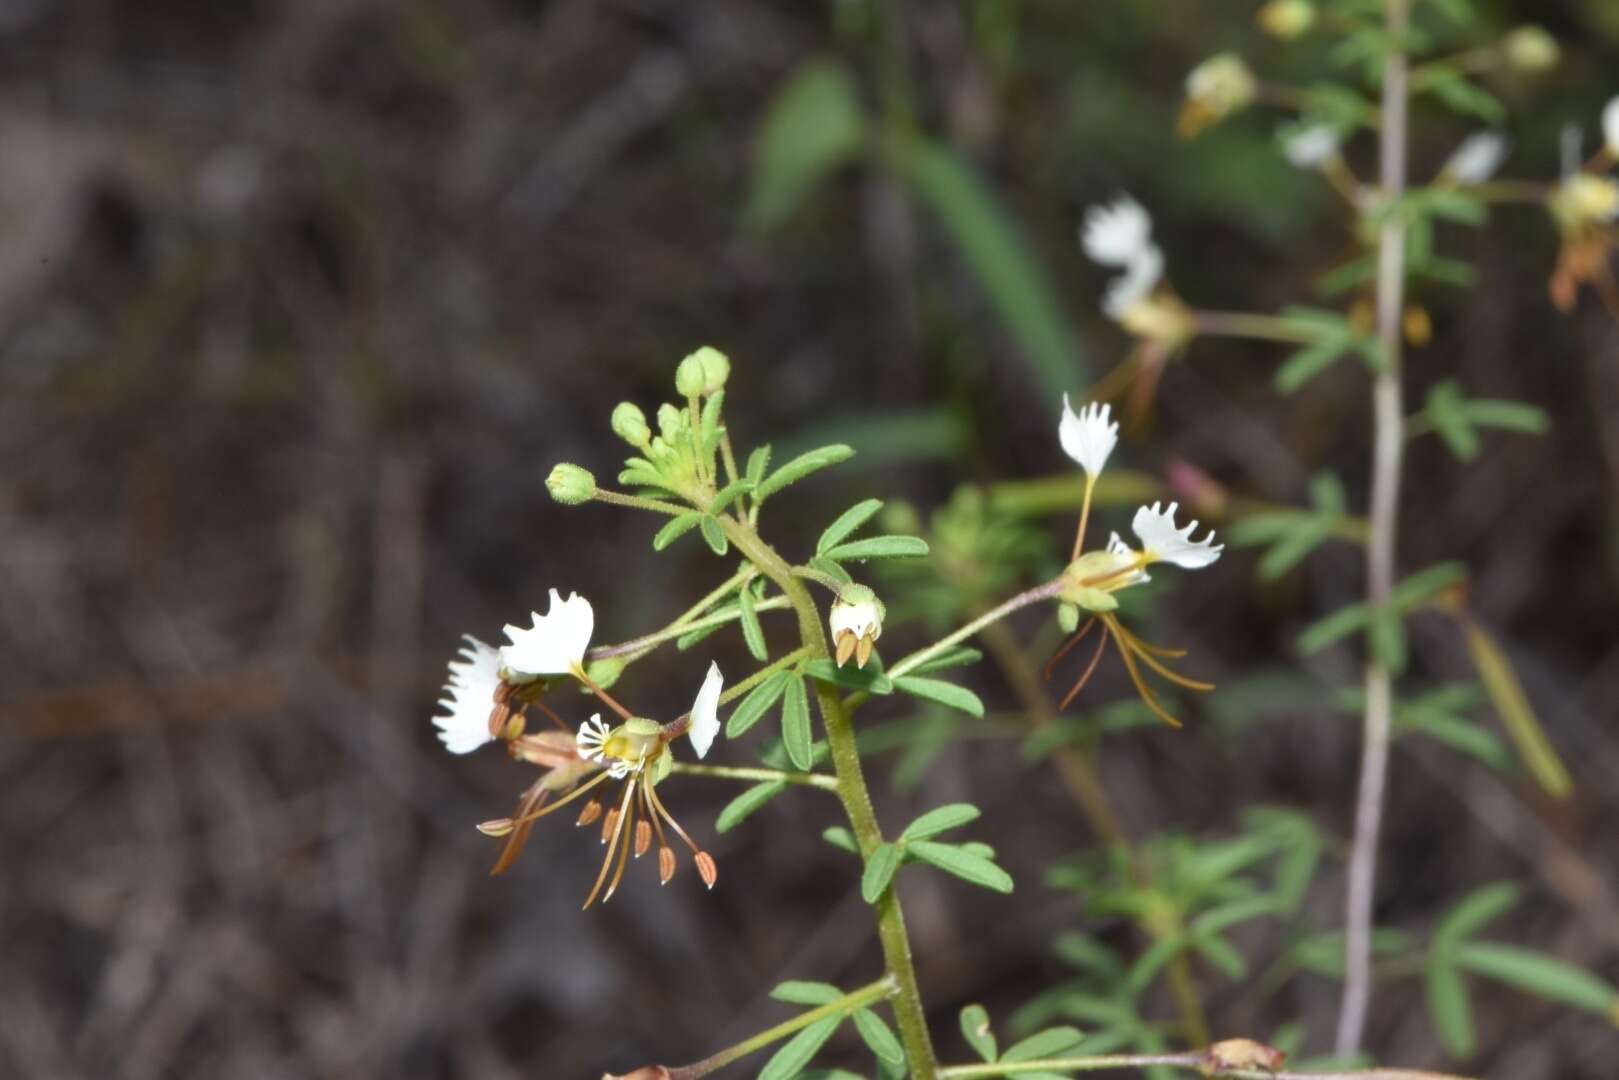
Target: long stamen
[1079, 636]
[657, 804]
[1084, 516]
[532, 799]
[1130, 567]
[560, 803]
[552, 716]
[612, 848]
[1156, 650]
[607, 699]
[1090, 669]
[623, 848]
[1147, 696]
[1146, 652]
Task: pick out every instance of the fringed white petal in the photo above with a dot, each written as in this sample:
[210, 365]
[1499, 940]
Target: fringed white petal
[469, 695]
[705, 712]
[1137, 282]
[1163, 542]
[557, 641]
[1117, 234]
[1089, 435]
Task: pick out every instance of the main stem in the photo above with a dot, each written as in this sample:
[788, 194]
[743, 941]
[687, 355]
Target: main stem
[852, 791]
[1388, 445]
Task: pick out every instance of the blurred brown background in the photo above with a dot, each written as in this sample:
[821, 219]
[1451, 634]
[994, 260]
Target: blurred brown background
[300, 301]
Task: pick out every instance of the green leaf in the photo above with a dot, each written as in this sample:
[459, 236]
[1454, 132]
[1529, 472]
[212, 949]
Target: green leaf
[758, 462]
[879, 547]
[1386, 636]
[1222, 954]
[1507, 415]
[847, 524]
[798, 992]
[1339, 624]
[714, 535]
[1450, 1008]
[812, 128]
[840, 837]
[1541, 975]
[879, 1036]
[795, 724]
[960, 656]
[879, 871]
[1292, 549]
[790, 1060]
[947, 694]
[675, 529]
[752, 632]
[975, 1029]
[997, 255]
[940, 819]
[1473, 913]
[830, 568]
[800, 467]
[742, 807]
[1051, 1042]
[1425, 584]
[1512, 705]
[967, 865]
[869, 678]
[1310, 361]
[756, 704]
[729, 493]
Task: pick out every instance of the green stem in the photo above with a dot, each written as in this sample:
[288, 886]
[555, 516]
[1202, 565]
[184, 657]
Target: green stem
[618, 498]
[734, 692]
[994, 615]
[819, 577]
[1242, 324]
[728, 772]
[855, 999]
[1178, 1061]
[642, 645]
[856, 799]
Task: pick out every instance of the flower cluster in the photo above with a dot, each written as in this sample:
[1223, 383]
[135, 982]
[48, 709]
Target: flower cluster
[487, 697]
[1094, 577]
[1120, 235]
[1585, 207]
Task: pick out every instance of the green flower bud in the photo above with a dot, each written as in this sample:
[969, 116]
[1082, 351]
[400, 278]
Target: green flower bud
[629, 424]
[716, 368]
[671, 422]
[571, 485]
[1530, 49]
[1067, 617]
[1287, 19]
[689, 376]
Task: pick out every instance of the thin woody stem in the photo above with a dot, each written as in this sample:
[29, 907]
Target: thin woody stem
[642, 645]
[606, 698]
[1388, 445]
[1022, 600]
[682, 622]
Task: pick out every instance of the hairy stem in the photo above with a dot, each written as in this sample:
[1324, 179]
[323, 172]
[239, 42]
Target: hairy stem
[1388, 444]
[1022, 600]
[866, 995]
[618, 498]
[856, 799]
[728, 772]
[642, 645]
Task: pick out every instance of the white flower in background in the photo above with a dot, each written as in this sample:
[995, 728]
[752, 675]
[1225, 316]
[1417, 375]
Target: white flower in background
[1117, 234]
[856, 620]
[1136, 284]
[557, 642]
[705, 712]
[1161, 541]
[1610, 126]
[1089, 435]
[1477, 158]
[1311, 146]
[469, 696]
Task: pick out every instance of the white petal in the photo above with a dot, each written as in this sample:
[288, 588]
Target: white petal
[1477, 158]
[1124, 553]
[1137, 282]
[557, 641]
[1311, 146]
[1610, 125]
[1089, 435]
[705, 712]
[1161, 540]
[469, 696]
[1116, 234]
[592, 734]
[858, 619]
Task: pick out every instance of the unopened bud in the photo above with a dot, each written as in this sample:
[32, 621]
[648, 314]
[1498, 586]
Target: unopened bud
[1067, 617]
[1531, 49]
[666, 864]
[706, 868]
[571, 485]
[629, 423]
[715, 366]
[1287, 19]
[689, 377]
[643, 838]
[671, 422]
[592, 811]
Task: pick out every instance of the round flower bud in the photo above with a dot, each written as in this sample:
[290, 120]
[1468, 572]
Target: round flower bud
[629, 424]
[671, 422]
[1067, 617]
[689, 377]
[716, 368]
[1287, 19]
[571, 485]
[1530, 49]
[856, 621]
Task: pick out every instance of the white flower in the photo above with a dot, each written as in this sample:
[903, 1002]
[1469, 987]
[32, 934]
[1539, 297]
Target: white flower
[856, 620]
[1610, 125]
[1117, 234]
[1089, 435]
[591, 738]
[1123, 552]
[1161, 541]
[705, 712]
[1477, 158]
[469, 696]
[1137, 282]
[1311, 146]
[557, 642]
